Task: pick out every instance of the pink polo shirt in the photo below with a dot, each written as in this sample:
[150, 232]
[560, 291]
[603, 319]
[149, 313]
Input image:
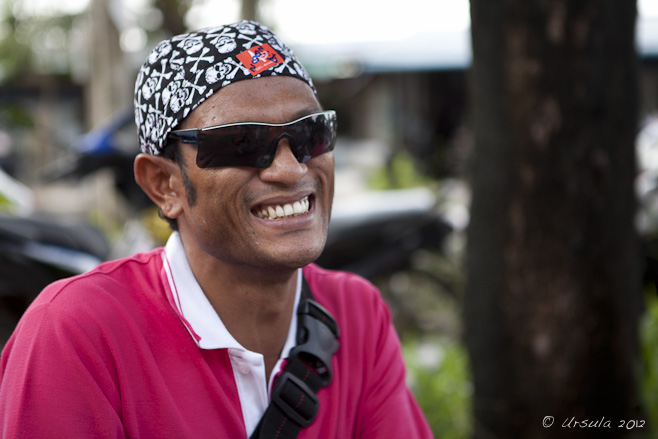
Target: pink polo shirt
[132, 349]
[208, 332]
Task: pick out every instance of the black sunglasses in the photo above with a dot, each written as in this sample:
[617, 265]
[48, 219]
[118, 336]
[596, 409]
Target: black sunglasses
[254, 144]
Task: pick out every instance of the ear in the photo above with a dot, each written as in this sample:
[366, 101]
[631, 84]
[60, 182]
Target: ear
[161, 179]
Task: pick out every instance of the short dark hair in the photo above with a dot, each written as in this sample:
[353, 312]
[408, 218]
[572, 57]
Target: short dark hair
[172, 151]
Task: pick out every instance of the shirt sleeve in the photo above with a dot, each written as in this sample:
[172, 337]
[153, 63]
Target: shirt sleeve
[389, 410]
[56, 380]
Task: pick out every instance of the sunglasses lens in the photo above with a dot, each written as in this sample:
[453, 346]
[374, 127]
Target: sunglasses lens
[314, 137]
[239, 145]
[254, 145]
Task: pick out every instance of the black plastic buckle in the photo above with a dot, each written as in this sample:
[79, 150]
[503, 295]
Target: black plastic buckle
[312, 308]
[318, 340]
[290, 411]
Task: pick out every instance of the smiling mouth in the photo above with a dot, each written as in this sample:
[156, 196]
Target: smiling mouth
[280, 211]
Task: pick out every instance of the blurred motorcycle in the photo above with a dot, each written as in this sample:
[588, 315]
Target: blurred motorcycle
[35, 252]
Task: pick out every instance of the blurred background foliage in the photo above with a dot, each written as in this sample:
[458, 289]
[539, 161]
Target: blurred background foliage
[438, 376]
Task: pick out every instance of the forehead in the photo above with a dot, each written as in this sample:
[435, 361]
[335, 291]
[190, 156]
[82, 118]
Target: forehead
[273, 99]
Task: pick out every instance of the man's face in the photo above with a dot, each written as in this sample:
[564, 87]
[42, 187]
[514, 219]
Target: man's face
[225, 220]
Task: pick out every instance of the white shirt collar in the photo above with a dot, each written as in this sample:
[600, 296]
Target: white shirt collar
[195, 310]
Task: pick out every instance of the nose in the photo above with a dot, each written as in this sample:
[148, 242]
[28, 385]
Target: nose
[285, 169]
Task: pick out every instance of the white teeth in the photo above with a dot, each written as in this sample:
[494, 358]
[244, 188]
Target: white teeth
[284, 211]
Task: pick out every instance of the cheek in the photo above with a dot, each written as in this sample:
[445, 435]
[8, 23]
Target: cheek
[323, 167]
[325, 171]
[220, 197]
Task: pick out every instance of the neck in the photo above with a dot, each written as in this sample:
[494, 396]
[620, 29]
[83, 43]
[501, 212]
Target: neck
[254, 304]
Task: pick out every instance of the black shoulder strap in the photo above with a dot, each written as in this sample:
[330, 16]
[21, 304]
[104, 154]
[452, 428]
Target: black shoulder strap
[294, 403]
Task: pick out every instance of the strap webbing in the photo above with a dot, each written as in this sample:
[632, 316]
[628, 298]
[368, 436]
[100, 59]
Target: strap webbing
[294, 403]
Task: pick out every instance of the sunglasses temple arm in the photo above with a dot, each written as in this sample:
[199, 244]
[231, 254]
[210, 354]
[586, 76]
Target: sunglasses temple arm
[186, 136]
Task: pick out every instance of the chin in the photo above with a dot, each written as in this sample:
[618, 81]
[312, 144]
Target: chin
[299, 257]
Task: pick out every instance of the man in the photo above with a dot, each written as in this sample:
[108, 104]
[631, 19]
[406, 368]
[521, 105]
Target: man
[194, 339]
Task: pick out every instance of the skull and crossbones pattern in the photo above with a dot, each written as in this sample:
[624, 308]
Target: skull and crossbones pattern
[183, 71]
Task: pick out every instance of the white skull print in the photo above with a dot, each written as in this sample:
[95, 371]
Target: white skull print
[217, 73]
[226, 44]
[191, 45]
[149, 87]
[246, 28]
[162, 49]
[169, 91]
[178, 99]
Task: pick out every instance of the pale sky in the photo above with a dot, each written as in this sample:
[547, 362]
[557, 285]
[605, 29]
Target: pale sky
[319, 21]
[309, 22]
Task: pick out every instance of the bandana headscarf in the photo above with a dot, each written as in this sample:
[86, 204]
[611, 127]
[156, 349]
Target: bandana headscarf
[182, 72]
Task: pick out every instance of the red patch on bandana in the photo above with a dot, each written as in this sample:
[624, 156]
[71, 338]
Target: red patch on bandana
[260, 58]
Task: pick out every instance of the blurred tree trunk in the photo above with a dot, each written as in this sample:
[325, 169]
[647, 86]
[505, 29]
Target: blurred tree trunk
[553, 295]
[249, 10]
[110, 78]
[173, 15]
